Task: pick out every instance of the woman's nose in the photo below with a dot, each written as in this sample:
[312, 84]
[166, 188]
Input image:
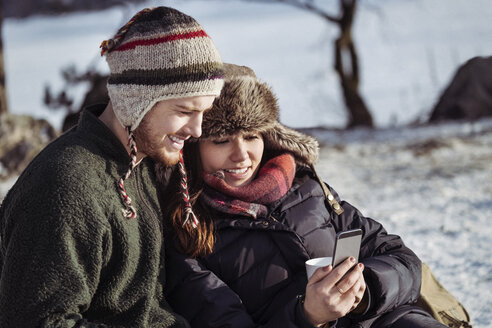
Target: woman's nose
[239, 152]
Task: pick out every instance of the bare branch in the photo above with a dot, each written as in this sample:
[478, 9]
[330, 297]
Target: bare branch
[346, 59]
[306, 5]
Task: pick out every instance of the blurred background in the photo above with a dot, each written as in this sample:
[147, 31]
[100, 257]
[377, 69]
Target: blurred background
[406, 52]
[398, 92]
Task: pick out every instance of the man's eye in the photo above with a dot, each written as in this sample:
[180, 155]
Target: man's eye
[251, 137]
[220, 142]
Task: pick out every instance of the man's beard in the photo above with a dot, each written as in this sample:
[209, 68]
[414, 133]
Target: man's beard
[153, 146]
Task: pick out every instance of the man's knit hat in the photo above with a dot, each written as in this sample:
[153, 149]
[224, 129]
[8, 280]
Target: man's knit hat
[159, 54]
[248, 105]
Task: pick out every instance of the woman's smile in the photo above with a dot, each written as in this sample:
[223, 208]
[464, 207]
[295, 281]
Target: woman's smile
[238, 156]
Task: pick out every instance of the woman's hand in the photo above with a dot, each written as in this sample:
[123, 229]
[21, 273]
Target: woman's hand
[332, 293]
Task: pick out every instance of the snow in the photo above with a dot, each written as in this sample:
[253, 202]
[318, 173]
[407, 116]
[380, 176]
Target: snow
[431, 185]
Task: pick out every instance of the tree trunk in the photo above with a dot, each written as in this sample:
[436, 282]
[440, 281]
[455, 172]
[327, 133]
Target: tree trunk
[3, 92]
[347, 67]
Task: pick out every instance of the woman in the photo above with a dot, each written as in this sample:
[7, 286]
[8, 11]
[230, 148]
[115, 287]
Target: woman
[262, 212]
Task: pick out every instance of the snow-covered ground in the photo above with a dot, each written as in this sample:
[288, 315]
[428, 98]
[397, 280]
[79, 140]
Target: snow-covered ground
[432, 185]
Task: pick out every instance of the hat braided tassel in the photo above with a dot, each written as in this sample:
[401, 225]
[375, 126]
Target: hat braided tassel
[108, 45]
[190, 217]
[129, 211]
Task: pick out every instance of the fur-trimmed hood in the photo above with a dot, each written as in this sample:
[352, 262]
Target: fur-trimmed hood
[248, 105]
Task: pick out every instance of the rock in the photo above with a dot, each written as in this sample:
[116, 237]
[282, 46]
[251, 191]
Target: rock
[469, 95]
[21, 138]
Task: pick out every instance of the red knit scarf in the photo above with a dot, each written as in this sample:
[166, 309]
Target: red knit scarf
[272, 182]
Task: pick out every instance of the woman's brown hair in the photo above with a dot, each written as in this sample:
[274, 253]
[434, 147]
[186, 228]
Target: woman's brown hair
[199, 241]
[194, 242]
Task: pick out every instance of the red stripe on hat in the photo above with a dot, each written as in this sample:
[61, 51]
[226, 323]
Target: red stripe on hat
[167, 38]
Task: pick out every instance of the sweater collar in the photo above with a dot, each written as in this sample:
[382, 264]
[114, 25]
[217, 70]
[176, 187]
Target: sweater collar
[90, 126]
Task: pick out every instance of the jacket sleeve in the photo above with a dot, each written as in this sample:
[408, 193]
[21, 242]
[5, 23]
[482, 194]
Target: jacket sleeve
[392, 271]
[50, 262]
[206, 301]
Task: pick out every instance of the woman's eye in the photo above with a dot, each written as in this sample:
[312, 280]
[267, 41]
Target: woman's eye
[251, 137]
[220, 142]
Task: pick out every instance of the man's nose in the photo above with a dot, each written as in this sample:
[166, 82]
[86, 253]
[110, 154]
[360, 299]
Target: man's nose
[194, 126]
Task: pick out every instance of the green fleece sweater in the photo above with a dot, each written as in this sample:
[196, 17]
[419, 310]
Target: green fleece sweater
[68, 256]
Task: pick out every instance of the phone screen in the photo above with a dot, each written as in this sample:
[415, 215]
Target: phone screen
[347, 244]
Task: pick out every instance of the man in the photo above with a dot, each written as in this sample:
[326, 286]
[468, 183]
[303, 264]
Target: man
[81, 230]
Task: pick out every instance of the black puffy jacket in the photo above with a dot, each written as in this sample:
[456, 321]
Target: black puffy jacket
[257, 269]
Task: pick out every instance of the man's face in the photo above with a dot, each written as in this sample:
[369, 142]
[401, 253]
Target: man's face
[163, 130]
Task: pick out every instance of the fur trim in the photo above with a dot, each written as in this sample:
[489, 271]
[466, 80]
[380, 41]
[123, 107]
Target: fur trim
[244, 105]
[235, 71]
[248, 105]
[304, 147]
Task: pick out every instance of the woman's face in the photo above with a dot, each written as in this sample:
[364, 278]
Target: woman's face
[238, 156]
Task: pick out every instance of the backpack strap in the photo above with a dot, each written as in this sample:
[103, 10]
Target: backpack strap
[330, 199]
[440, 303]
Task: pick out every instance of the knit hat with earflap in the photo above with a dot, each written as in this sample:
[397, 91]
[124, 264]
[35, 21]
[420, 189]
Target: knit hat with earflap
[249, 105]
[159, 54]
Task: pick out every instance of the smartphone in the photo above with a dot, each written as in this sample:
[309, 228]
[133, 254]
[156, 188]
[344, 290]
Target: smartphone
[347, 244]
